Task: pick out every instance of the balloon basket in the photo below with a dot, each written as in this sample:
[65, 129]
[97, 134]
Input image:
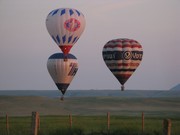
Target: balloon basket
[62, 98]
[65, 58]
[122, 88]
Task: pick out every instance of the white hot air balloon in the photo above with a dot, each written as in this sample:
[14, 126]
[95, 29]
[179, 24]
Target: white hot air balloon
[65, 26]
[62, 72]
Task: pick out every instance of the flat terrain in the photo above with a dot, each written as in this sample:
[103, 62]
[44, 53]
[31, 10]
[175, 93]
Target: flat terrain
[24, 105]
[89, 114]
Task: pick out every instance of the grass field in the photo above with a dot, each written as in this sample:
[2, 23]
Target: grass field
[89, 115]
[23, 106]
[88, 125]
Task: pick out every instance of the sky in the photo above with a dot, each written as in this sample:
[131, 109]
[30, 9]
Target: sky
[25, 44]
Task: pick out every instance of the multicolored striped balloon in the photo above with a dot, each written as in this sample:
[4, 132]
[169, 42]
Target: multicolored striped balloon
[122, 57]
[65, 26]
[62, 72]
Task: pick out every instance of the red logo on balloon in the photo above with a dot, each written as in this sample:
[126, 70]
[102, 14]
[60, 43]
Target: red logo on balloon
[72, 24]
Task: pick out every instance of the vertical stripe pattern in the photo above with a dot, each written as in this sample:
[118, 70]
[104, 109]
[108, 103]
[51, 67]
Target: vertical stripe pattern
[62, 72]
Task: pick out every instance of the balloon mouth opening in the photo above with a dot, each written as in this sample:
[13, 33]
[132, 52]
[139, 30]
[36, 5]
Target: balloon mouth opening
[65, 49]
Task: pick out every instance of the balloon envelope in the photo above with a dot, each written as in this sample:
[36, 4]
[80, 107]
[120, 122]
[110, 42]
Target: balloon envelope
[65, 26]
[62, 72]
[122, 57]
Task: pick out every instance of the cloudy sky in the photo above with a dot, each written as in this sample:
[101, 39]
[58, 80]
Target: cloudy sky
[25, 44]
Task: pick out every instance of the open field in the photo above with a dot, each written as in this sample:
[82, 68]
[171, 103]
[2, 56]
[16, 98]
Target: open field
[88, 125]
[24, 105]
[89, 115]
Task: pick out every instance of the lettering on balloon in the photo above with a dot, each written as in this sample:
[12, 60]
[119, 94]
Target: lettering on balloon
[73, 70]
[109, 56]
[122, 55]
[72, 24]
[137, 55]
[134, 55]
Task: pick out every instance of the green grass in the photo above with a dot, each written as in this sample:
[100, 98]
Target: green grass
[89, 115]
[88, 125]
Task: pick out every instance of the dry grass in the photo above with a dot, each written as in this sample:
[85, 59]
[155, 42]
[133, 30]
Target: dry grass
[23, 106]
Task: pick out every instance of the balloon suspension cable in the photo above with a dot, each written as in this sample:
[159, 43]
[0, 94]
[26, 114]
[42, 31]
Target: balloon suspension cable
[65, 58]
[122, 88]
[62, 98]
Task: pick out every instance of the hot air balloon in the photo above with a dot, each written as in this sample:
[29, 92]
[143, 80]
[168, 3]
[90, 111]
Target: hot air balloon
[122, 57]
[62, 72]
[65, 26]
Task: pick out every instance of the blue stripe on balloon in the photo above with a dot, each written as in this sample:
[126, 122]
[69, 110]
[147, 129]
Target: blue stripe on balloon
[63, 11]
[58, 39]
[77, 39]
[69, 39]
[51, 12]
[53, 38]
[64, 38]
[74, 39]
[78, 13]
[55, 12]
[71, 12]
[61, 56]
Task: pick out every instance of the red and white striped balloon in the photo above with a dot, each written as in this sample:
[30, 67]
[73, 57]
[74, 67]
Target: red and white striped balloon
[122, 57]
